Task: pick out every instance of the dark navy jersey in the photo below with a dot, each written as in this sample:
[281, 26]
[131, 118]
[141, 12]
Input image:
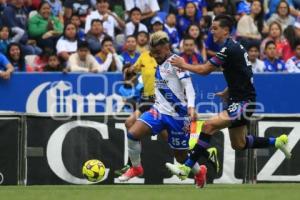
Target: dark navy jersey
[237, 69]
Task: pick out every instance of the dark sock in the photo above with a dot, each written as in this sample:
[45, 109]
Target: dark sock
[253, 142]
[200, 149]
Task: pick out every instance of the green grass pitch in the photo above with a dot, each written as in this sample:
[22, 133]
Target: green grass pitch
[153, 192]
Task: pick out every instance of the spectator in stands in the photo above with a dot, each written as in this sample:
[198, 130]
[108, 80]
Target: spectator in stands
[130, 55]
[16, 15]
[82, 60]
[56, 9]
[148, 8]
[67, 43]
[95, 36]
[131, 91]
[45, 28]
[204, 25]
[108, 57]
[293, 64]
[219, 8]
[53, 64]
[282, 15]
[36, 63]
[190, 17]
[157, 24]
[5, 38]
[272, 4]
[272, 63]
[201, 5]
[80, 31]
[6, 67]
[170, 29]
[193, 31]
[79, 7]
[275, 34]
[251, 27]
[16, 57]
[253, 56]
[109, 20]
[15, 34]
[189, 54]
[142, 42]
[134, 26]
[288, 45]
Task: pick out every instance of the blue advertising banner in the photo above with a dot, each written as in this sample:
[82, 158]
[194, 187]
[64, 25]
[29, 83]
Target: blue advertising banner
[58, 93]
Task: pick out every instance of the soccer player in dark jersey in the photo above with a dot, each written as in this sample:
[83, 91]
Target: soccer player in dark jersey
[240, 95]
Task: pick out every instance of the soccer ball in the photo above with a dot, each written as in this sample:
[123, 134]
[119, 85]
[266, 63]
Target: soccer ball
[93, 170]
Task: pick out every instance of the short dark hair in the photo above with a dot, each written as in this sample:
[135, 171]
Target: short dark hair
[82, 45]
[130, 36]
[106, 39]
[96, 20]
[102, 1]
[144, 32]
[269, 43]
[225, 21]
[134, 9]
[255, 44]
[187, 37]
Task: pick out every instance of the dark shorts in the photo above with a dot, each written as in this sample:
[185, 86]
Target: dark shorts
[146, 103]
[240, 112]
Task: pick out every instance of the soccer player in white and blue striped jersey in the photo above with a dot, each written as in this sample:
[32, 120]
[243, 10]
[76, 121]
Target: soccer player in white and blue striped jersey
[173, 110]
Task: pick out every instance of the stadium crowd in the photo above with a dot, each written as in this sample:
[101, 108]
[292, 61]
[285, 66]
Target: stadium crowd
[101, 35]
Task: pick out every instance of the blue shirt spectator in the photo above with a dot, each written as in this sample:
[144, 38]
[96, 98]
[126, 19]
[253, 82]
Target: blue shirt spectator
[129, 58]
[274, 66]
[56, 7]
[199, 3]
[3, 62]
[170, 29]
[273, 6]
[211, 46]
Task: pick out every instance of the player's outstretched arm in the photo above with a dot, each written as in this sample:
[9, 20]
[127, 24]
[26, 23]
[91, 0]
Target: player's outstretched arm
[203, 69]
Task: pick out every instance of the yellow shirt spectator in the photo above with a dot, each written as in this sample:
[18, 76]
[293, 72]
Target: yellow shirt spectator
[146, 65]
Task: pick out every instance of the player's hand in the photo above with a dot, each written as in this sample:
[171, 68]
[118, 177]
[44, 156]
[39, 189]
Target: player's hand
[192, 114]
[177, 61]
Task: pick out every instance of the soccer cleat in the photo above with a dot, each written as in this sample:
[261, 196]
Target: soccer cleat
[119, 172]
[181, 171]
[200, 178]
[281, 143]
[213, 158]
[131, 173]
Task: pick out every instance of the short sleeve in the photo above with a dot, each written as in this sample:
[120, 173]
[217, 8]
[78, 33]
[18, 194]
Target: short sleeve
[219, 59]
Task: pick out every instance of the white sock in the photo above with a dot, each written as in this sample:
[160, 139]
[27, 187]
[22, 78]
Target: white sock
[196, 168]
[134, 152]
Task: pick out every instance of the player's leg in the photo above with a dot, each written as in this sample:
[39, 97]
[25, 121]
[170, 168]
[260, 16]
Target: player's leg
[147, 124]
[199, 171]
[210, 127]
[128, 123]
[240, 141]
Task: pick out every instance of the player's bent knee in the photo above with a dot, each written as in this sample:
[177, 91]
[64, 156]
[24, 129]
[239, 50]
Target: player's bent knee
[238, 146]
